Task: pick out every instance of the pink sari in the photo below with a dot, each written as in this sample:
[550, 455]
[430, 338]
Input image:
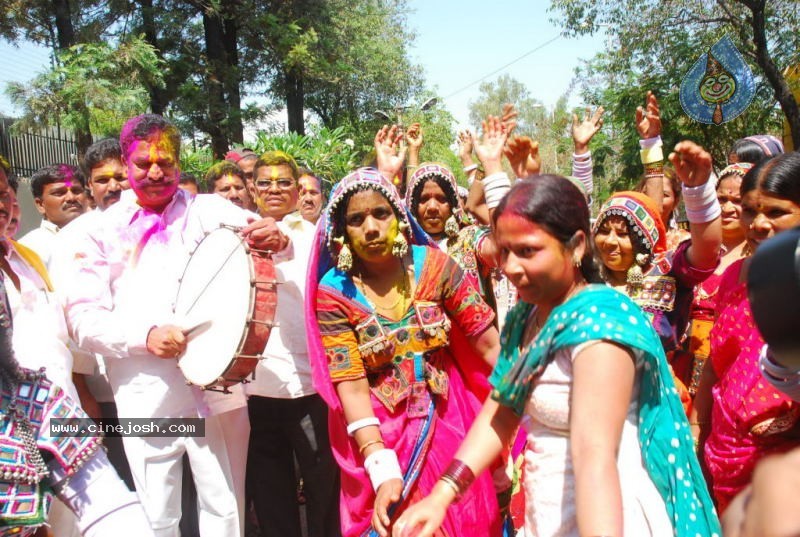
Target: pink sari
[750, 419]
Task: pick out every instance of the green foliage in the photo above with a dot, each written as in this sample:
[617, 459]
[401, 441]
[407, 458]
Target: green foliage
[94, 87]
[652, 44]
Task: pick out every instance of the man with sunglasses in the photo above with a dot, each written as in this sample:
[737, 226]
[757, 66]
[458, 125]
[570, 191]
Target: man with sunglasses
[288, 418]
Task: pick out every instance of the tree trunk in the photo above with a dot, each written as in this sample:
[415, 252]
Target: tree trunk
[65, 32]
[783, 93]
[157, 101]
[233, 77]
[294, 102]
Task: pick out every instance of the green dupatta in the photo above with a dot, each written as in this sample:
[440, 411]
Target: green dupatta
[600, 313]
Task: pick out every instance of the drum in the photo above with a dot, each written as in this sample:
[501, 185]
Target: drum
[226, 301]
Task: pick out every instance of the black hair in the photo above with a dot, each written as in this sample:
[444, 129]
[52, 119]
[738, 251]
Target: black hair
[221, 169]
[143, 127]
[99, 152]
[187, 178]
[556, 204]
[55, 173]
[779, 176]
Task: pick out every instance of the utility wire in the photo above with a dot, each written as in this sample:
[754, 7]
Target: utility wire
[512, 62]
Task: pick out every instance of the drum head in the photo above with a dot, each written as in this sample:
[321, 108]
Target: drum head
[215, 286]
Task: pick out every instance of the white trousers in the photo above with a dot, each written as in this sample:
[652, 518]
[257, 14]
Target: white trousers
[217, 461]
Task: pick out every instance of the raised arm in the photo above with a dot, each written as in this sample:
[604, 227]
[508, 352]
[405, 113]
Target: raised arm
[693, 166]
[582, 134]
[388, 153]
[648, 125]
[414, 141]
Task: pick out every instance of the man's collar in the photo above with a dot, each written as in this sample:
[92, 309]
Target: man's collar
[49, 226]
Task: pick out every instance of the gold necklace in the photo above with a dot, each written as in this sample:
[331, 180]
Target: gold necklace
[402, 295]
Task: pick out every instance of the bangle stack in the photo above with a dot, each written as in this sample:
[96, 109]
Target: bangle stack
[701, 203]
[495, 187]
[458, 477]
[365, 445]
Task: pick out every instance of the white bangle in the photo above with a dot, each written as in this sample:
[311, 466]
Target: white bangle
[701, 203]
[495, 187]
[360, 424]
[381, 466]
[469, 168]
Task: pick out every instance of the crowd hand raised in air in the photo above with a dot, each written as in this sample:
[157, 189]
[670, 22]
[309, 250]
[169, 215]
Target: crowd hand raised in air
[388, 493]
[466, 142]
[509, 118]
[490, 147]
[692, 163]
[388, 153]
[584, 131]
[648, 119]
[523, 155]
[265, 235]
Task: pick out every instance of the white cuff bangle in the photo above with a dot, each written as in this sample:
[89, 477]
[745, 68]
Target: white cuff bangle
[495, 187]
[469, 168]
[701, 203]
[360, 424]
[381, 466]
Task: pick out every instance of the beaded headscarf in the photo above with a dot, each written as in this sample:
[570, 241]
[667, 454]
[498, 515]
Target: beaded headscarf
[443, 177]
[358, 181]
[737, 168]
[642, 216]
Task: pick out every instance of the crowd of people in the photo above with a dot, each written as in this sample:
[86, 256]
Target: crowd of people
[481, 361]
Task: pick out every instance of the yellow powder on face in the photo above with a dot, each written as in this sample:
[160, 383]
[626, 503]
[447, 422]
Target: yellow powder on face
[274, 172]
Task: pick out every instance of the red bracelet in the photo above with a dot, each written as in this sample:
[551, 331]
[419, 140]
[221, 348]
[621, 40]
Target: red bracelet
[460, 475]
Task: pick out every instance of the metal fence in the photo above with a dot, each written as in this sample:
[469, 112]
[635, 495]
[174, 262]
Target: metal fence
[29, 151]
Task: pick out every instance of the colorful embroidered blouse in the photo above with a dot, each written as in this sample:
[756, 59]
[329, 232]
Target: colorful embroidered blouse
[24, 499]
[666, 294]
[400, 358]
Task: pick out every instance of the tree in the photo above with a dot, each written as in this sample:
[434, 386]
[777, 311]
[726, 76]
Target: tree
[341, 59]
[657, 42]
[93, 88]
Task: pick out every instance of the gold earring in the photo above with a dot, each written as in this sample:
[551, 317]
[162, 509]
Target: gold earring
[344, 260]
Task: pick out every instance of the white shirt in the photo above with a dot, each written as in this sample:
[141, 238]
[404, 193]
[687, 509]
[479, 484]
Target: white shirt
[69, 240]
[40, 330]
[285, 371]
[122, 282]
[42, 240]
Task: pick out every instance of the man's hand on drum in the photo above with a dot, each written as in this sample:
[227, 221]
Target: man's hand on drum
[264, 234]
[166, 341]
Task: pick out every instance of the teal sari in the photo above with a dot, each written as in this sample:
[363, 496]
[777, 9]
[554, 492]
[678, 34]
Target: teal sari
[600, 313]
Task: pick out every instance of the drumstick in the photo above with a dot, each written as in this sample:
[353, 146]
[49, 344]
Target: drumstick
[197, 329]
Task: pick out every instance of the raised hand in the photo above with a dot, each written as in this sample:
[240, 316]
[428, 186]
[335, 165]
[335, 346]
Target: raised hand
[648, 120]
[584, 131]
[490, 148]
[523, 155]
[509, 118]
[414, 137]
[388, 153]
[466, 142]
[692, 163]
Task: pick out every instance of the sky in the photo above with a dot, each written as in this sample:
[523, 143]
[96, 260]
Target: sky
[459, 43]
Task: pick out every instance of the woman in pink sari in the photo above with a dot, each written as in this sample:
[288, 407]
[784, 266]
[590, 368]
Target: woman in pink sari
[399, 340]
[749, 418]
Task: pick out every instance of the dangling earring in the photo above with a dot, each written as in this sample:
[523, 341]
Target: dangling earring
[635, 275]
[400, 245]
[344, 260]
[451, 226]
